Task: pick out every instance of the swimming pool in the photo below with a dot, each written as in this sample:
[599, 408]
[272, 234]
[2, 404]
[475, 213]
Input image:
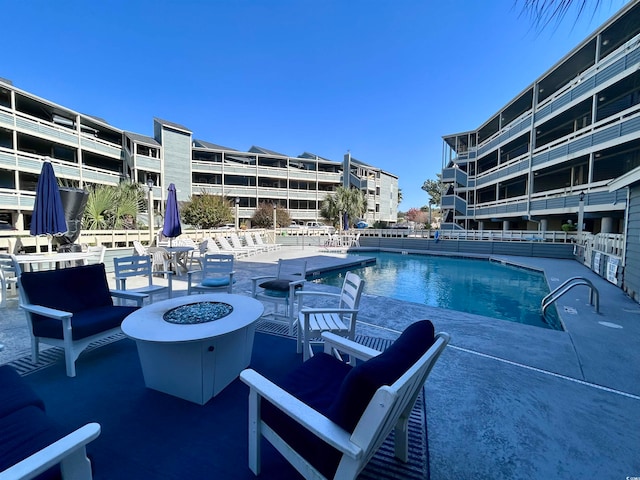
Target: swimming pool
[468, 285]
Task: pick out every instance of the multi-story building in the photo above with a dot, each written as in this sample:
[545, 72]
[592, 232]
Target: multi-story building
[86, 150]
[556, 147]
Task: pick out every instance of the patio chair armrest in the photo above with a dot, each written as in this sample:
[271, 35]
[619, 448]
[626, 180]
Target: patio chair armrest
[344, 345]
[299, 411]
[317, 294]
[69, 451]
[308, 311]
[139, 298]
[46, 311]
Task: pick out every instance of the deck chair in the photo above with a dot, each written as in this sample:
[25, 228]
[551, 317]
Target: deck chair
[260, 242]
[216, 274]
[72, 308]
[226, 247]
[139, 249]
[248, 239]
[97, 254]
[9, 272]
[280, 288]
[237, 244]
[126, 268]
[339, 318]
[328, 418]
[160, 260]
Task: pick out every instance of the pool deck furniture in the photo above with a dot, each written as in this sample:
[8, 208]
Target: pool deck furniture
[140, 266]
[339, 318]
[72, 308]
[196, 361]
[179, 258]
[280, 288]
[49, 260]
[328, 418]
[31, 442]
[216, 274]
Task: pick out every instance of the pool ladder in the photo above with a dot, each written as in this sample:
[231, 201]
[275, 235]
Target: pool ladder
[594, 295]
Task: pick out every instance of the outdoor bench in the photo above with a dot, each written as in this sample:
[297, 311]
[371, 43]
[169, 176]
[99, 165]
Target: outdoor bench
[33, 445]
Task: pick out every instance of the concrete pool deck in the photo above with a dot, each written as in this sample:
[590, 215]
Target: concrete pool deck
[506, 400]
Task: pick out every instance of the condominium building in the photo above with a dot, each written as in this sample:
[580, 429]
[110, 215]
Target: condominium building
[553, 151]
[86, 150]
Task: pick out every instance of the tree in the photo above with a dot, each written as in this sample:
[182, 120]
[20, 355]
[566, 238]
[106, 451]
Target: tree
[543, 12]
[263, 216]
[434, 189]
[113, 208]
[349, 201]
[207, 211]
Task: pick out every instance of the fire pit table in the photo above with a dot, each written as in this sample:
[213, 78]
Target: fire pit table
[193, 347]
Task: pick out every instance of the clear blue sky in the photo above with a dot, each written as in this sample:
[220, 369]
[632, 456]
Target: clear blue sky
[383, 79]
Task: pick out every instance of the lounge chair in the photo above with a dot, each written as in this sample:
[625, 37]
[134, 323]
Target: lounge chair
[226, 247]
[237, 244]
[339, 318]
[248, 238]
[261, 243]
[328, 418]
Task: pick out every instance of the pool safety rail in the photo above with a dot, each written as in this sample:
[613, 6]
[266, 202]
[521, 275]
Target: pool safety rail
[594, 295]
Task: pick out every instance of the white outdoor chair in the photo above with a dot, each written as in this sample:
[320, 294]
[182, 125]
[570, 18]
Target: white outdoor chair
[9, 272]
[226, 247]
[340, 318]
[261, 243]
[216, 274]
[280, 288]
[248, 238]
[237, 244]
[160, 260]
[97, 254]
[126, 268]
[139, 249]
[355, 408]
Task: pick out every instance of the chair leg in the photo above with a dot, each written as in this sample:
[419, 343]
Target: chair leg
[254, 432]
[299, 337]
[401, 439]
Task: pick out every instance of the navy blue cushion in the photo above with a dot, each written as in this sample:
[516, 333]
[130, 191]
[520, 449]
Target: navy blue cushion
[70, 289]
[24, 432]
[361, 383]
[278, 285]
[315, 383]
[84, 323]
[15, 393]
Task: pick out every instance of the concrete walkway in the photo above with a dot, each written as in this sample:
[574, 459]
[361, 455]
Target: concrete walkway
[506, 400]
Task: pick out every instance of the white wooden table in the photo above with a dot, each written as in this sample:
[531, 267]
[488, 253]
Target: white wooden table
[195, 361]
[49, 259]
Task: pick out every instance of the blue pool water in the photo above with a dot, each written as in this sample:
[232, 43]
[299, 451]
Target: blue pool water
[468, 285]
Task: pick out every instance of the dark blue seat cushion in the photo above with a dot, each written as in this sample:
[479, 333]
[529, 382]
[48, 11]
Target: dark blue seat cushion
[15, 393]
[71, 289]
[84, 323]
[361, 383]
[278, 287]
[24, 432]
[83, 291]
[315, 383]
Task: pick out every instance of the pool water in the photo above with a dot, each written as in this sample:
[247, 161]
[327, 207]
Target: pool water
[468, 285]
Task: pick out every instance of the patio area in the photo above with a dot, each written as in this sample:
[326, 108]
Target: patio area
[504, 401]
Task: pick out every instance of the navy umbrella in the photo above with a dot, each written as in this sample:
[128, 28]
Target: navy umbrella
[48, 212]
[171, 227]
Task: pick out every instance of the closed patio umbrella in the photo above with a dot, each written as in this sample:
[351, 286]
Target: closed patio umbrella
[171, 227]
[48, 212]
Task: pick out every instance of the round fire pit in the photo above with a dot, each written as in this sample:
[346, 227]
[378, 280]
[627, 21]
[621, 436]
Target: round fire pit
[196, 313]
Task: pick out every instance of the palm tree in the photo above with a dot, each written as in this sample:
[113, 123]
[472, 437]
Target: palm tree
[349, 202]
[544, 11]
[112, 208]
